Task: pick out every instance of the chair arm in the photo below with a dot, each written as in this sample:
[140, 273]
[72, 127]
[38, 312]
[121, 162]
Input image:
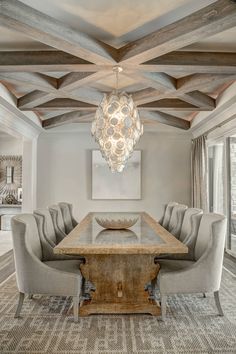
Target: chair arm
[202, 276]
[42, 279]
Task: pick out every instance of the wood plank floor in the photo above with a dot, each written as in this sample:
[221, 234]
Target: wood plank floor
[7, 265]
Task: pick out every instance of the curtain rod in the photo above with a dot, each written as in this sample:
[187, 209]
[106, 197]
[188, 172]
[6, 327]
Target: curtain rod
[217, 126]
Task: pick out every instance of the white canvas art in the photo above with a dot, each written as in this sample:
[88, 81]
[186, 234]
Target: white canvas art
[108, 185]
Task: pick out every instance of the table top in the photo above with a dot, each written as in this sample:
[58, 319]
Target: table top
[145, 237]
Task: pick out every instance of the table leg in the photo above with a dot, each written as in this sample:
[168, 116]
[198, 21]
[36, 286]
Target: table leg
[120, 284]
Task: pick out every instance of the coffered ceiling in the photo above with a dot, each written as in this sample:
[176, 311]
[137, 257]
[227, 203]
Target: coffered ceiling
[177, 56]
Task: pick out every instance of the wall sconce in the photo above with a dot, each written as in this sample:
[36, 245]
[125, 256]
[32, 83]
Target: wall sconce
[9, 174]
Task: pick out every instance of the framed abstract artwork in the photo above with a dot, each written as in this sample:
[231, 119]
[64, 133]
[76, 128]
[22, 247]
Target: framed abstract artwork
[108, 185]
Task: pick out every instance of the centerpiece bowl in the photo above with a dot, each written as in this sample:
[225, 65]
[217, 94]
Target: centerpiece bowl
[117, 222]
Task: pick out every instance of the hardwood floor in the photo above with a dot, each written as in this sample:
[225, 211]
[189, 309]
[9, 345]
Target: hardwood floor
[7, 265]
[230, 263]
[5, 242]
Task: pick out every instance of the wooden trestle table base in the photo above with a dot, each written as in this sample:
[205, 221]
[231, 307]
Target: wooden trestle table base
[120, 263]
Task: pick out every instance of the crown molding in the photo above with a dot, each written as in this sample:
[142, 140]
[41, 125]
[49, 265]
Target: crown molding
[13, 121]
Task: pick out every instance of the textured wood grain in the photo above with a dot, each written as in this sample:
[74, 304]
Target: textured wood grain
[170, 104]
[192, 62]
[46, 61]
[212, 19]
[158, 70]
[120, 282]
[119, 272]
[46, 29]
[58, 104]
[71, 244]
[70, 117]
[166, 118]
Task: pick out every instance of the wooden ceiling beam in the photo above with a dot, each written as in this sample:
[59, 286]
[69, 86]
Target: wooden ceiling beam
[170, 104]
[45, 29]
[46, 60]
[165, 118]
[186, 89]
[83, 116]
[36, 98]
[199, 99]
[196, 81]
[70, 117]
[72, 80]
[62, 104]
[166, 87]
[210, 20]
[192, 62]
[177, 61]
[35, 80]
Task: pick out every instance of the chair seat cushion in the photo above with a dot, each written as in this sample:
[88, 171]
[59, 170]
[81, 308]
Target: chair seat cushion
[171, 265]
[71, 266]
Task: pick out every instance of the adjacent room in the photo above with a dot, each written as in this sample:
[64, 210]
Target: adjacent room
[117, 177]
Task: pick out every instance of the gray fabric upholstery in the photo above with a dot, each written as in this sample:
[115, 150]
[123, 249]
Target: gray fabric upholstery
[47, 227]
[58, 221]
[33, 275]
[167, 214]
[48, 238]
[188, 228]
[203, 274]
[68, 266]
[176, 219]
[188, 233]
[69, 221]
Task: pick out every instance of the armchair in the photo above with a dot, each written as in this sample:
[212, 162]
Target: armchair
[164, 221]
[58, 221]
[69, 220]
[176, 219]
[201, 275]
[48, 236]
[34, 276]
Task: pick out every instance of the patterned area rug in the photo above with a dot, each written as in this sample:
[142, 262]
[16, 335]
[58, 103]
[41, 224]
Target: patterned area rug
[46, 326]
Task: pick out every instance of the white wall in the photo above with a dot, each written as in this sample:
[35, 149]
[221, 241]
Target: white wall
[10, 145]
[64, 172]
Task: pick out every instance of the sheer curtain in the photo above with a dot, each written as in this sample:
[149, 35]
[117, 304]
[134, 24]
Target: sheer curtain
[218, 180]
[199, 174]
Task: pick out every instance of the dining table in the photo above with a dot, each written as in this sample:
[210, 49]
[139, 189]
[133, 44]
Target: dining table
[122, 264]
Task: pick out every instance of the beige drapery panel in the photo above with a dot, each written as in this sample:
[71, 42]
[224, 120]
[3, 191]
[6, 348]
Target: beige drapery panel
[199, 174]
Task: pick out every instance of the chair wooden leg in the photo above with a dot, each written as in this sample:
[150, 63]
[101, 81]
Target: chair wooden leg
[163, 307]
[20, 303]
[217, 301]
[76, 308]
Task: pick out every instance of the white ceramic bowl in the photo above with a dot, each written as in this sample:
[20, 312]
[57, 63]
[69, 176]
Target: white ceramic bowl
[116, 223]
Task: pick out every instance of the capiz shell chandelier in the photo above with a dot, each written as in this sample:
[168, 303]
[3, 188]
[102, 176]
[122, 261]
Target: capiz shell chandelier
[117, 128]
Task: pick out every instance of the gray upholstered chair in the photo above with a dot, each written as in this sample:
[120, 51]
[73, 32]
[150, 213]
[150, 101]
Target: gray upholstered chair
[189, 231]
[46, 227]
[176, 219]
[188, 234]
[164, 221]
[56, 278]
[58, 221]
[48, 236]
[69, 221]
[201, 275]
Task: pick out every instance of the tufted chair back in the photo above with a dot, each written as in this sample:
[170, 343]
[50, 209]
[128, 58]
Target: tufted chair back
[167, 214]
[176, 219]
[69, 221]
